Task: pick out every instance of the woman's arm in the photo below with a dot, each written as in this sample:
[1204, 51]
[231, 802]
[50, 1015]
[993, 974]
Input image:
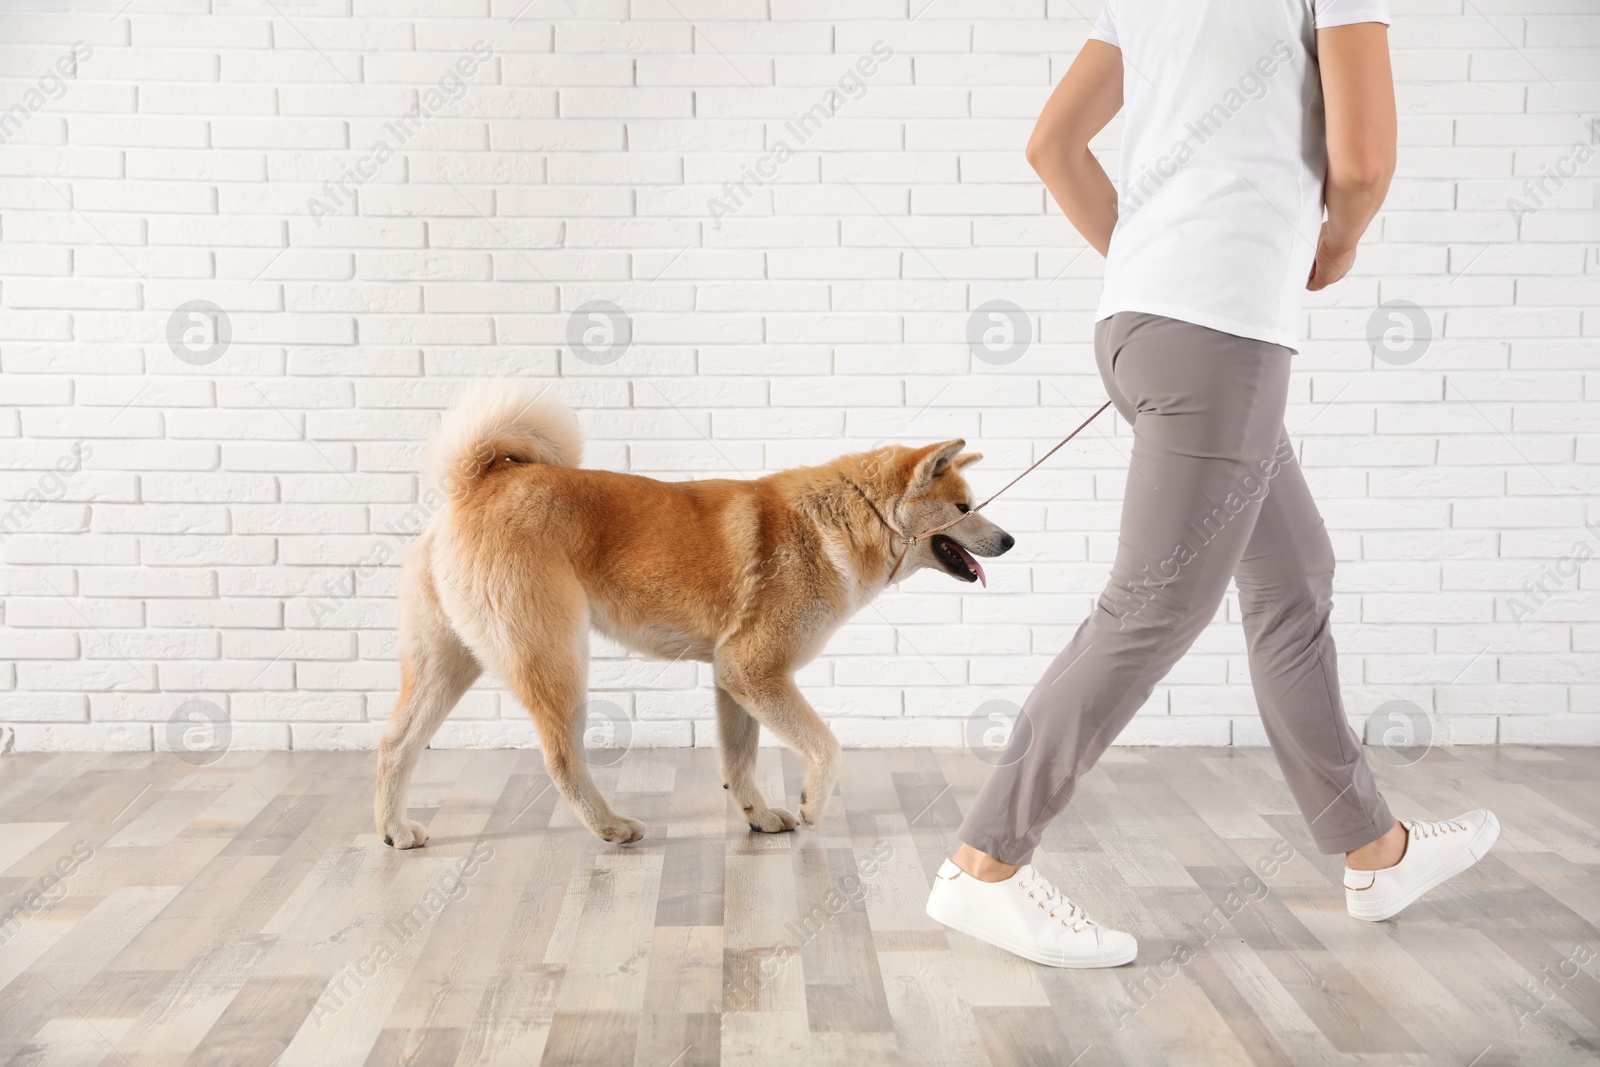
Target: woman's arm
[1358, 96]
[1089, 95]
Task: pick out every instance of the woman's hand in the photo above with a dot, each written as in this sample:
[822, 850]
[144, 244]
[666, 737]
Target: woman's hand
[1330, 265]
[1089, 95]
[1358, 98]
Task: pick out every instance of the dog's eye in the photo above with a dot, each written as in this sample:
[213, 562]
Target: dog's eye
[963, 508]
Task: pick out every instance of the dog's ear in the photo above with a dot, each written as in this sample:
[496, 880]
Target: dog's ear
[965, 460]
[930, 462]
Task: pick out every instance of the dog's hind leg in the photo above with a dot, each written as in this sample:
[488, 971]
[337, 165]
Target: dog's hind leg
[435, 670]
[738, 733]
[554, 693]
[551, 679]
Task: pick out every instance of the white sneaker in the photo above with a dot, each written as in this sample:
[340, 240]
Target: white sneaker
[1435, 851]
[1026, 915]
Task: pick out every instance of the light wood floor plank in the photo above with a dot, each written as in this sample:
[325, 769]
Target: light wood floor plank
[246, 910]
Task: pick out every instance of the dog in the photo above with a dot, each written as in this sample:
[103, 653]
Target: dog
[528, 552]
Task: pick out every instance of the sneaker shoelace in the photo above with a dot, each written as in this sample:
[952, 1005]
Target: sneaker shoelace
[1052, 900]
[1434, 829]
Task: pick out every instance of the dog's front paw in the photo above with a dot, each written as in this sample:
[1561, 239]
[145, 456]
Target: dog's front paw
[408, 834]
[620, 830]
[811, 810]
[770, 821]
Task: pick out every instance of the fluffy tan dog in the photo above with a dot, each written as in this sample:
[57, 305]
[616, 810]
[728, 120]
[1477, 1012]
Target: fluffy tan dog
[753, 577]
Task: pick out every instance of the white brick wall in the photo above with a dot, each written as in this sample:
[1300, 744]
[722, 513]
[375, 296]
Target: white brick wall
[224, 532]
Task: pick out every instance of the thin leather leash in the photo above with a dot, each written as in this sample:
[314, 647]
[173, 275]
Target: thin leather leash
[907, 541]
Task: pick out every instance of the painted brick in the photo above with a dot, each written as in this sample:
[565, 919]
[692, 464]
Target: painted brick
[824, 309]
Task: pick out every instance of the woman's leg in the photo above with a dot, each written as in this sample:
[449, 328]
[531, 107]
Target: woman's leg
[1207, 412]
[1285, 580]
[1285, 594]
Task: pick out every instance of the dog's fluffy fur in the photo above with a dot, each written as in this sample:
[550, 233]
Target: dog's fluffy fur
[529, 552]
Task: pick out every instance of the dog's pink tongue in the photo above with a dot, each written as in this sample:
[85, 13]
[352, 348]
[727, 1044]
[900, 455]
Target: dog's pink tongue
[979, 568]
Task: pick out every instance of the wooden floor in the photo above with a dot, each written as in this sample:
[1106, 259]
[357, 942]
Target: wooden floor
[245, 913]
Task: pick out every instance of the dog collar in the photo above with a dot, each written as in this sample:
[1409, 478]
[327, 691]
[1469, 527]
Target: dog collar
[906, 541]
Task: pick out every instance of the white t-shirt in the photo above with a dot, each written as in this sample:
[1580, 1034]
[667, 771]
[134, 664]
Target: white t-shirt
[1222, 160]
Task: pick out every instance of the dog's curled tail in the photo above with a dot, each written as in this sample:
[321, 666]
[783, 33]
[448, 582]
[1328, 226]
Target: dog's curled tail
[497, 420]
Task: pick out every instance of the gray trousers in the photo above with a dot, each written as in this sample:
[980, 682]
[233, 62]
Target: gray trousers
[1214, 492]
